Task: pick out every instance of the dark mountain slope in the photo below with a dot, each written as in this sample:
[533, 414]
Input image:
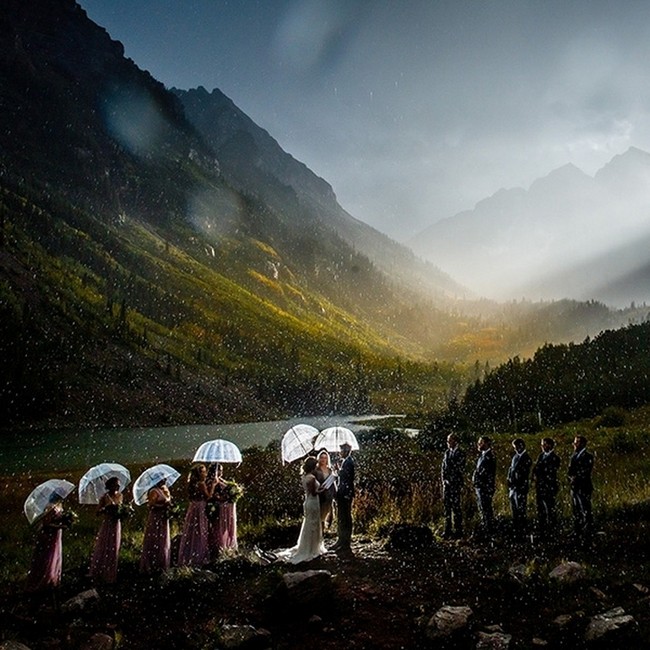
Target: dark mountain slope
[252, 160]
[137, 282]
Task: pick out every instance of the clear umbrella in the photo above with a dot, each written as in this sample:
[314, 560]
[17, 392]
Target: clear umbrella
[150, 478]
[42, 495]
[92, 484]
[298, 442]
[332, 439]
[217, 451]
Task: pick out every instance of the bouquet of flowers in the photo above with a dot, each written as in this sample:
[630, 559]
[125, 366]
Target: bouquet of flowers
[119, 510]
[174, 511]
[232, 492]
[68, 519]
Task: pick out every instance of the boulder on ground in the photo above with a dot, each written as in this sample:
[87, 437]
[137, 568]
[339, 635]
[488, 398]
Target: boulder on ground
[449, 621]
[568, 572]
[609, 624]
[244, 637]
[81, 602]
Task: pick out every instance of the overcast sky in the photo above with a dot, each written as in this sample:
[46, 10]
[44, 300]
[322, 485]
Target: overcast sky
[412, 109]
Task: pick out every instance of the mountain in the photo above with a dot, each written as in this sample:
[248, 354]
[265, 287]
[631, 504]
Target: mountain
[142, 279]
[568, 236]
[252, 161]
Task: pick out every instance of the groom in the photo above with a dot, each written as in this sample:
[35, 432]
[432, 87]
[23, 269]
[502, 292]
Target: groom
[344, 496]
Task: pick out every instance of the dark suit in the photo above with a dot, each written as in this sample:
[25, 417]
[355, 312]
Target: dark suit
[344, 496]
[580, 468]
[546, 488]
[518, 484]
[452, 470]
[484, 479]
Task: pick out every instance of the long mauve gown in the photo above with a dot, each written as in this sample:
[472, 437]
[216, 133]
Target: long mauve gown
[103, 562]
[157, 544]
[47, 563]
[194, 550]
[227, 525]
[223, 528]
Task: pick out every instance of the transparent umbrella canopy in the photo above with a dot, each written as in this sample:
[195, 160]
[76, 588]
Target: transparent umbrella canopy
[150, 478]
[91, 485]
[217, 451]
[42, 495]
[333, 437]
[298, 441]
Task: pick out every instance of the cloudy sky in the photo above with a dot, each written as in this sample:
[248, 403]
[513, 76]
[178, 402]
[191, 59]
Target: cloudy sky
[412, 109]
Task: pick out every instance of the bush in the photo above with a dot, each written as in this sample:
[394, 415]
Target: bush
[612, 416]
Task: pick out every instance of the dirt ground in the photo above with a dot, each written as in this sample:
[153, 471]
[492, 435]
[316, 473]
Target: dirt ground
[382, 595]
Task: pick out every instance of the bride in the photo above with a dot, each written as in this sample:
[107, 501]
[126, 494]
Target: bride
[310, 542]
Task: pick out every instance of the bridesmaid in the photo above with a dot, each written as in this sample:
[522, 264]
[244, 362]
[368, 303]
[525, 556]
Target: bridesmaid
[156, 545]
[226, 523]
[47, 561]
[103, 562]
[194, 550]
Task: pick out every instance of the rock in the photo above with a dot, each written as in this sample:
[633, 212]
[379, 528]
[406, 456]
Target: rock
[641, 588]
[99, 641]
[306, 579]
[81, 602]
[449, 620]
[608, 624]
[244, 637]
[539, 643]
[13, 645]
[518, 572]
[493, 641]
[406, 537]
[568, 572]
[304, 593]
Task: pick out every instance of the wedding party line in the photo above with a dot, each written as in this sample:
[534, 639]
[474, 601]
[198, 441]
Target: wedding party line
[210, 522]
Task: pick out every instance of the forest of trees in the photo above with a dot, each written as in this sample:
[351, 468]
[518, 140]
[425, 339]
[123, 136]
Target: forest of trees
[560, 383]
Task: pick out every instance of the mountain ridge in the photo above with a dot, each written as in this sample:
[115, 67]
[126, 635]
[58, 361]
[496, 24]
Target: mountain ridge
[539, 242]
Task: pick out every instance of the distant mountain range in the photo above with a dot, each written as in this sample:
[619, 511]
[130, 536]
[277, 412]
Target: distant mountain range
[568, 235]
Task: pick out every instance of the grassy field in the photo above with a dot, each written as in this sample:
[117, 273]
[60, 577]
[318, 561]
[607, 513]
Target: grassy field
[397, 483]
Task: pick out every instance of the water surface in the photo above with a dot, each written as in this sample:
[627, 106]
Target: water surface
[74, 449]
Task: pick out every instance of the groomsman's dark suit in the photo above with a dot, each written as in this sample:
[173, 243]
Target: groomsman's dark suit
[580, 468]
[452, 474]
[518, 484]
[546, 486]
[484, 479]
[344, 496]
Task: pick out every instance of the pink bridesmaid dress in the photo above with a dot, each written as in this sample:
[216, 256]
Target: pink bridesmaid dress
[156, 546]
[46, 567]
[104, 559]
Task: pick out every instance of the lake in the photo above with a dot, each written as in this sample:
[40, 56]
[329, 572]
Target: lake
[74, 449]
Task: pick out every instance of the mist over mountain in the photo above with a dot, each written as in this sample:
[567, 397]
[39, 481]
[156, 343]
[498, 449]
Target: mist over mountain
[568, 236]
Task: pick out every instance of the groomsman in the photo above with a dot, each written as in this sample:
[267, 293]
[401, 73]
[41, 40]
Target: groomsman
[546, 486]
[452, 471]
[344, 496]
[484, 479]
[518, 477]
[580, 468]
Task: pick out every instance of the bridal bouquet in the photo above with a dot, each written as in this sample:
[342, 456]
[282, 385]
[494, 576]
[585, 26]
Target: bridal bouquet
[119, 510]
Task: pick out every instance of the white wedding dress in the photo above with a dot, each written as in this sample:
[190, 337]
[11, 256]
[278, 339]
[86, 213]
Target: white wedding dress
[310, 541]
